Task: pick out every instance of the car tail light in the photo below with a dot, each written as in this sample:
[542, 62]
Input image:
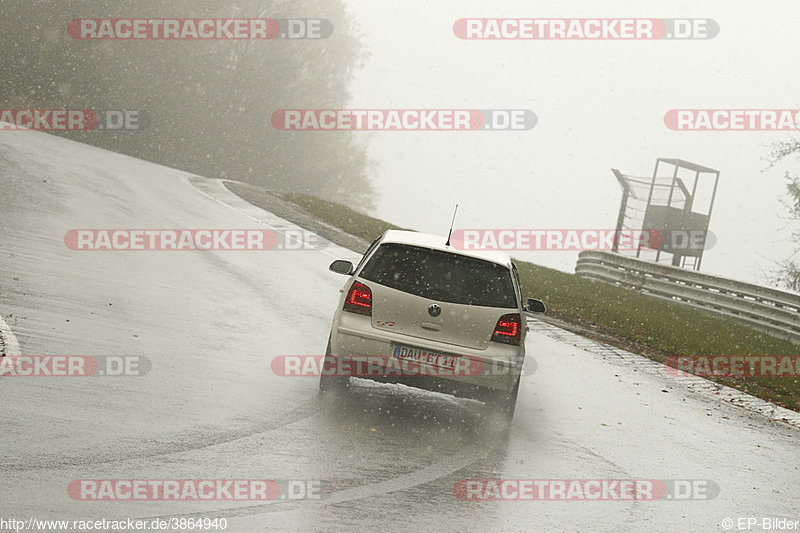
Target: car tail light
[359, 299]
[508, 329]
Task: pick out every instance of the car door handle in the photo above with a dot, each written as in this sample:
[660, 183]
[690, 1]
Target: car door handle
[431, 326]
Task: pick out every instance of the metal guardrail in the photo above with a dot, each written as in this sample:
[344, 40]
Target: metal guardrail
[769, 310]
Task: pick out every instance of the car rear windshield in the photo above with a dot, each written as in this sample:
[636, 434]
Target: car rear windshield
[441, 276]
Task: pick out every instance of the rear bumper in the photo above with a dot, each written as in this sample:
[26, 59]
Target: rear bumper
[496, 368]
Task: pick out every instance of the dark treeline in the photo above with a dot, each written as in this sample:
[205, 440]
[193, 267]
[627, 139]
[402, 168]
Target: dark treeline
[208, 103]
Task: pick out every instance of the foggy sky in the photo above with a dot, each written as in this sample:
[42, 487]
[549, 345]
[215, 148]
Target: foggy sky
[600, 104]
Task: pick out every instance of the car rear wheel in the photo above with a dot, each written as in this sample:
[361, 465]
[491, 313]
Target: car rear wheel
[333, 383]
[503, 402]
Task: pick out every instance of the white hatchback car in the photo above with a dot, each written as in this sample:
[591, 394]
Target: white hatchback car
[414, 299]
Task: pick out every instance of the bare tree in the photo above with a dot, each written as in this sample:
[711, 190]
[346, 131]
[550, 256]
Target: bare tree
[208, 102]
[788, 271]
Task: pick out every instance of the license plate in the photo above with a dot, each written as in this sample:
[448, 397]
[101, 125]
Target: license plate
[418, 355]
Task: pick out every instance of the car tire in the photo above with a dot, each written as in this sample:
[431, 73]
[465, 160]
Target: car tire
[334, 384]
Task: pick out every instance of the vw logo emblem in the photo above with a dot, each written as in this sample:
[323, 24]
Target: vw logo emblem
[434, 310]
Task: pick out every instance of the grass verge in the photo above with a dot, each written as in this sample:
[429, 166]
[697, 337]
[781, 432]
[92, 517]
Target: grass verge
[341, 216]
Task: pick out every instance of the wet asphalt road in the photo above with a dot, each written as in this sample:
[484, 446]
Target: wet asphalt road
[210, 407]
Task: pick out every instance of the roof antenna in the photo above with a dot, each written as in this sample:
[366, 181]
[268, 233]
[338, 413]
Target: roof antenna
[451, 226]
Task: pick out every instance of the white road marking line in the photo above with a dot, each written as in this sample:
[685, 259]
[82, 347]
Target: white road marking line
[9, 340]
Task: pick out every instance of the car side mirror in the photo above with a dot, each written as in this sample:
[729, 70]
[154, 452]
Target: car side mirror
[341, 266]
[532, 305]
